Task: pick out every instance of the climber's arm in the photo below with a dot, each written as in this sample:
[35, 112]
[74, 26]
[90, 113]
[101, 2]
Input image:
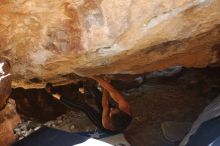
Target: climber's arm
[115, 94]
[106, 122]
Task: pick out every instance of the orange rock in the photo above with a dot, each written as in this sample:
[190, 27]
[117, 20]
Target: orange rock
[5, 81]
[8, 120]
[47, 40]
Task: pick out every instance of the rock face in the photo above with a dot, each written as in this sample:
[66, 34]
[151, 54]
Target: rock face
[8, 120]
[54, 41]
[5, 81]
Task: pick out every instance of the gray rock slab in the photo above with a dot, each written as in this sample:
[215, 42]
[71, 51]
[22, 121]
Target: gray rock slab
[175, 131]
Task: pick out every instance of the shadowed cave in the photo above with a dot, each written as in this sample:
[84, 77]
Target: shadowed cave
[176, 94]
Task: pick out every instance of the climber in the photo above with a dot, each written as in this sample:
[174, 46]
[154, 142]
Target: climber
[114, 114]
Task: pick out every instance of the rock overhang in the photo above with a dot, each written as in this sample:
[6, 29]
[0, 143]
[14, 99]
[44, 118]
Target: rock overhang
[59, 41]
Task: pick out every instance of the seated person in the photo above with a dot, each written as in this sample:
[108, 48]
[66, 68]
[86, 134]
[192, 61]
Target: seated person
[109, 117]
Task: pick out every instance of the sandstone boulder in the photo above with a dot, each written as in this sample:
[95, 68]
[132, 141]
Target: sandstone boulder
[57, 41]
[8, 120]
[5, 81]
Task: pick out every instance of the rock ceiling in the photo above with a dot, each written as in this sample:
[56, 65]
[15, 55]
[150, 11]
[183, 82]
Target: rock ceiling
[57, 41]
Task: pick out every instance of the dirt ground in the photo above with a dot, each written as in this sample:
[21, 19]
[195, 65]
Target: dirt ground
[161, 97]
